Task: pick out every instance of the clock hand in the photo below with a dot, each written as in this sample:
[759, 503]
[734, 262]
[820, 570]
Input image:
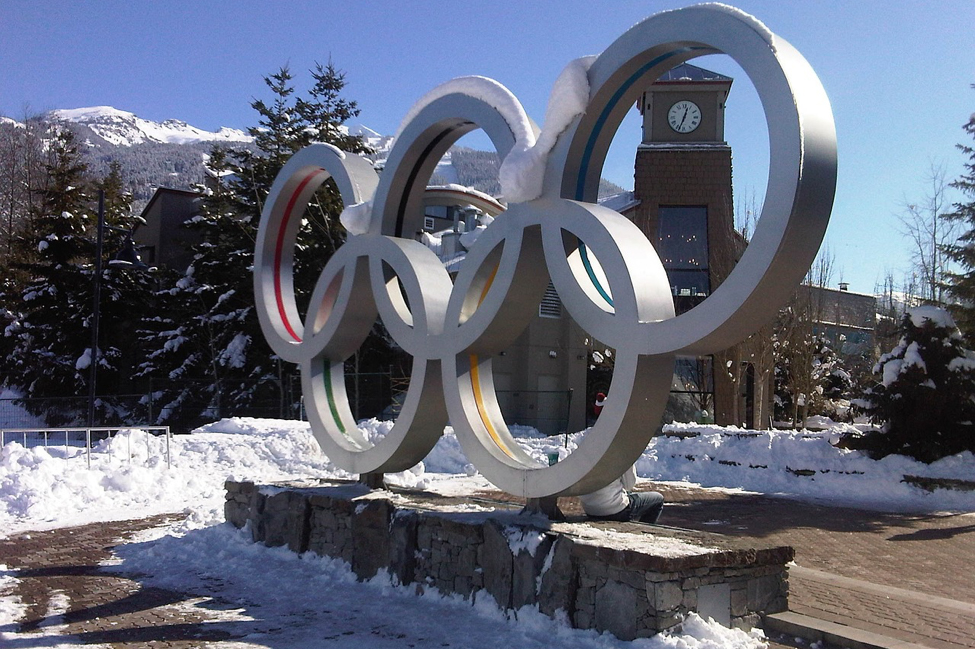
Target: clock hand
[679, 126]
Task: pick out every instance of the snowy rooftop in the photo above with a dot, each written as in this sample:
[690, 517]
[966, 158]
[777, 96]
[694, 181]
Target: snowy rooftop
[622, 202]
[687, 72]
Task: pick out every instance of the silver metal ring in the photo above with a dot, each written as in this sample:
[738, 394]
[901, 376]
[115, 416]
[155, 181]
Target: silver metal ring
[606, 272]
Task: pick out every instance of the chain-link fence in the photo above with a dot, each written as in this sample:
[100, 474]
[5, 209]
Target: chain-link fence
[46, 412]
[188, 404]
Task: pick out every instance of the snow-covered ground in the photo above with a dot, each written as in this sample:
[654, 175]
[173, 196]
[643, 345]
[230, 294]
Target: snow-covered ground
[312, 597]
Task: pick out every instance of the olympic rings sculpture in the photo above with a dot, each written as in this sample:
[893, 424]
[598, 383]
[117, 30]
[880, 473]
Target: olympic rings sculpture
[606, 272]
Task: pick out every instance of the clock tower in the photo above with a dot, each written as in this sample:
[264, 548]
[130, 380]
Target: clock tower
[685, 105]
[682, 182]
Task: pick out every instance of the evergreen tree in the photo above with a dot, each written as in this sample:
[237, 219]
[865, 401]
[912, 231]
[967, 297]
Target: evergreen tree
[125, 298]
[47, 347]
[207, 352]
[925, 396]
[47, 337]
[962, 285]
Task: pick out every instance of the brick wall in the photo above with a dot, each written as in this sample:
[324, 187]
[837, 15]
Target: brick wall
[698, 176]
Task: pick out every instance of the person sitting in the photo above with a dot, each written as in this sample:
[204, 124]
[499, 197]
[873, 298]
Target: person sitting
[617, 502]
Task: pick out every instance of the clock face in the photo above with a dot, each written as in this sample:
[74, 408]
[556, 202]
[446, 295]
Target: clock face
[684, 116]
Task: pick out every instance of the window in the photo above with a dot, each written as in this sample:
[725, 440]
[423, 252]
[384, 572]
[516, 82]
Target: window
[438, 211]
[693, 374]
[692, 391]
[551, 305]
[429, 224]
[682, 243]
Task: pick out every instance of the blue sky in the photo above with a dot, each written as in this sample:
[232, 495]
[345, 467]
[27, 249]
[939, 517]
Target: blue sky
[898, 74]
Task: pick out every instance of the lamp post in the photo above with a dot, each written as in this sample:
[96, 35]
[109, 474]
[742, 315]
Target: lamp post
[127, 257]
[96, 309]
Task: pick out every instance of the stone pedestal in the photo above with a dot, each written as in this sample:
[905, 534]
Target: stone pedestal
[629, 579]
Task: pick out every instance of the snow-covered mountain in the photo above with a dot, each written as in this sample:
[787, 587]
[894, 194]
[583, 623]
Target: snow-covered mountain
[122, 128]
[172, 153]
[151, 154]
[378, 142]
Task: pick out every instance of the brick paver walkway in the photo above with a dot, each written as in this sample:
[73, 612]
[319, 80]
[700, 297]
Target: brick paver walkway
[66, 594]
[900, 575]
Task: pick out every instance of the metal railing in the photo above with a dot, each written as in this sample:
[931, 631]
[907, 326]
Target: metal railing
[67, 432]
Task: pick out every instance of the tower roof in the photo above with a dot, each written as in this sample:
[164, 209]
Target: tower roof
[686, 72]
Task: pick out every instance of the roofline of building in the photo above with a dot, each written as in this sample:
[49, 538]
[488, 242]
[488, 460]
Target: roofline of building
[840, 290]
[168, 190]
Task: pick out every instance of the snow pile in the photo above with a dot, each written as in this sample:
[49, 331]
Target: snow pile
[661, 546]
[357, 218]
[10, 605]
[49, 487]
[469, 238]
[42, 488]
[802, 464]
[523, 169]
[907, 355]
[470, 191]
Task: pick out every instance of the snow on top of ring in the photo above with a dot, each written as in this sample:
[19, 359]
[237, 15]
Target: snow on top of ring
[523, 170]
[747, 18]
[357, 218]
[337, 151]
[487, 90]
[463, 189]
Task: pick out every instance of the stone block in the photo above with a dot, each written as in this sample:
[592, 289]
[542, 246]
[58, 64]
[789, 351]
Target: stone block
[632, 578]
[668, 620]
[286, 520]
[330, 527]
[238, 502]
[527, 571]
[739, 601]
[465, 563]
[747, 622]
[424, 534]
[714, 601]
[256, 518]
[403, 546]
[762, 591]
[665, 596]
[616, 610]
[497, 563]
[584, 614]
[559, 578]
[370, 537]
